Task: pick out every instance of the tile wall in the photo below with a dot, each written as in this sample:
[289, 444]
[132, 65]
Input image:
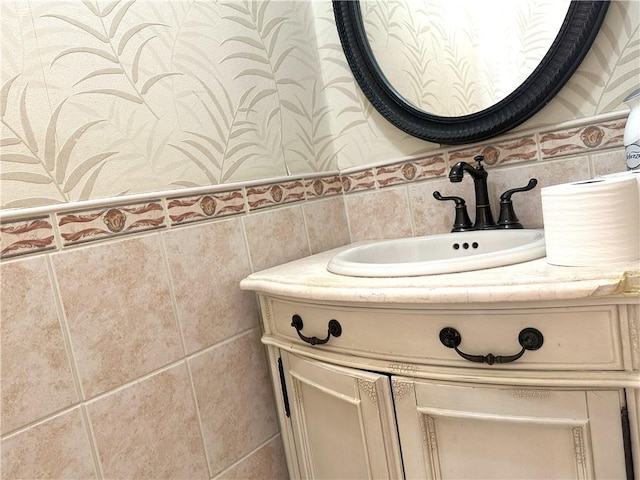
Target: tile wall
[137, 356]
[128, 349]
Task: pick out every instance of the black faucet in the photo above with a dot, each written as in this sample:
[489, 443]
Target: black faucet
[484, 218]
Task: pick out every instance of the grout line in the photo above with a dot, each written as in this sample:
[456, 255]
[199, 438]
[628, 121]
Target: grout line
[410, 207]
[64, 327]
[128, 383]
[247, 248]
[92, 441]
[35, 423]
[172, 293]
[306, 230]
[169, 366]
[176, 314]
[347, 216]
[245, 457]
[194, 398]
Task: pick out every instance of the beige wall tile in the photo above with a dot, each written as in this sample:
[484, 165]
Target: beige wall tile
[379, 214]
[611, 161]
[235, 399]
[119, 311]
[57, 449]
[207, 263]
[326, 222]
[36, 373]
[276, 236]
[266, 463]
[431, 216]
[149, 430]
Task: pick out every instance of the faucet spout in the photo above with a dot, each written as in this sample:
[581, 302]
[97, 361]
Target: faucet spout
[484, 218]
[457, 172]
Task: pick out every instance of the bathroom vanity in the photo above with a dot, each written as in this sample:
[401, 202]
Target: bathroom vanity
[524, 371]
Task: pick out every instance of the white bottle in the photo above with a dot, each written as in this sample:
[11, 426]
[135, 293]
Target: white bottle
[632, 131]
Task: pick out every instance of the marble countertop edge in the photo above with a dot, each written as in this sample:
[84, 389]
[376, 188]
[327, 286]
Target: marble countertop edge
[308, 278]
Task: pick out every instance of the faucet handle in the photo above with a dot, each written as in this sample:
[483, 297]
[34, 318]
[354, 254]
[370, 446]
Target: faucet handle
[479, 159]
[506, 196]
[508, 218]
[462, 222]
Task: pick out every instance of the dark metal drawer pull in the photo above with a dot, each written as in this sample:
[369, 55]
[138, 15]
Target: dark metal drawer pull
[334, 328]
[529, 339]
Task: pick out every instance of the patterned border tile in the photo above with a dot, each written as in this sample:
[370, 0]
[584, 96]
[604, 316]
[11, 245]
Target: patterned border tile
[275, 194]
[203, 207]
[430, 167]
[410, 171]
[395, 174]
[582, 139]
[90, 225]
[323, 186]
[523, 149]
[359, 181]
[26, 236]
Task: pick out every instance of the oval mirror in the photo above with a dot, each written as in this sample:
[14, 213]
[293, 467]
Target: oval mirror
[432, 69]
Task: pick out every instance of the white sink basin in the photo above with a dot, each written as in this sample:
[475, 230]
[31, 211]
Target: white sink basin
[445, 253]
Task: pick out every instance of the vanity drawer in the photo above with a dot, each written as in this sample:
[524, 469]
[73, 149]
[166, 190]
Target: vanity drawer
[582, 338]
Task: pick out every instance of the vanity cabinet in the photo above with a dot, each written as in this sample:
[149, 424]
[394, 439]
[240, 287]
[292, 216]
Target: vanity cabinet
[456, 430]
[342, 420]
[383, 397]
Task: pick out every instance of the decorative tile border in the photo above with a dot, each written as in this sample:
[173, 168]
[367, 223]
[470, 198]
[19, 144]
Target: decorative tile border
[582, 139]
[324, 186]
[276, 194]
[36, 232]
[410, 171]
[364, 180]
[203, 207]
[26, 236]
[110, 222]
[395, 174]
[430, 167]
[523, 149]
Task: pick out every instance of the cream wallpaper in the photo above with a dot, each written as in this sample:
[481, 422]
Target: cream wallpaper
[103, 98]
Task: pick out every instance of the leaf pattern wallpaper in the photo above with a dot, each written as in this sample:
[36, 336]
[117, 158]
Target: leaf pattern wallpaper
[104, 98]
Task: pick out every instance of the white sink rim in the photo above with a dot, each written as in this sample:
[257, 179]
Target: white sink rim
[527, 244]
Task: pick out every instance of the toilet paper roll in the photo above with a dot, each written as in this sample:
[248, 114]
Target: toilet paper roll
[592, 223]
[628, 173]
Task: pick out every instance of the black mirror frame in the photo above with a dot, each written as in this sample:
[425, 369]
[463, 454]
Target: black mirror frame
[577, 33]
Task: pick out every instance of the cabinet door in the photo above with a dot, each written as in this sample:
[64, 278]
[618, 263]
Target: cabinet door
[470, 431]
[343, 421]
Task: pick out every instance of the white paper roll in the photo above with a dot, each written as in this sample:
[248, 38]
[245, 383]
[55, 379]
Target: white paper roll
[592, 223]
[629, 173]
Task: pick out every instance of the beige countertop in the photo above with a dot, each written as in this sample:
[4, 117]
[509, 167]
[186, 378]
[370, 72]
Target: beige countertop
[308, 278]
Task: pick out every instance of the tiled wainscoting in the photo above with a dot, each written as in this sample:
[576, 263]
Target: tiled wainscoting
[128, 349]
[138, 356]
